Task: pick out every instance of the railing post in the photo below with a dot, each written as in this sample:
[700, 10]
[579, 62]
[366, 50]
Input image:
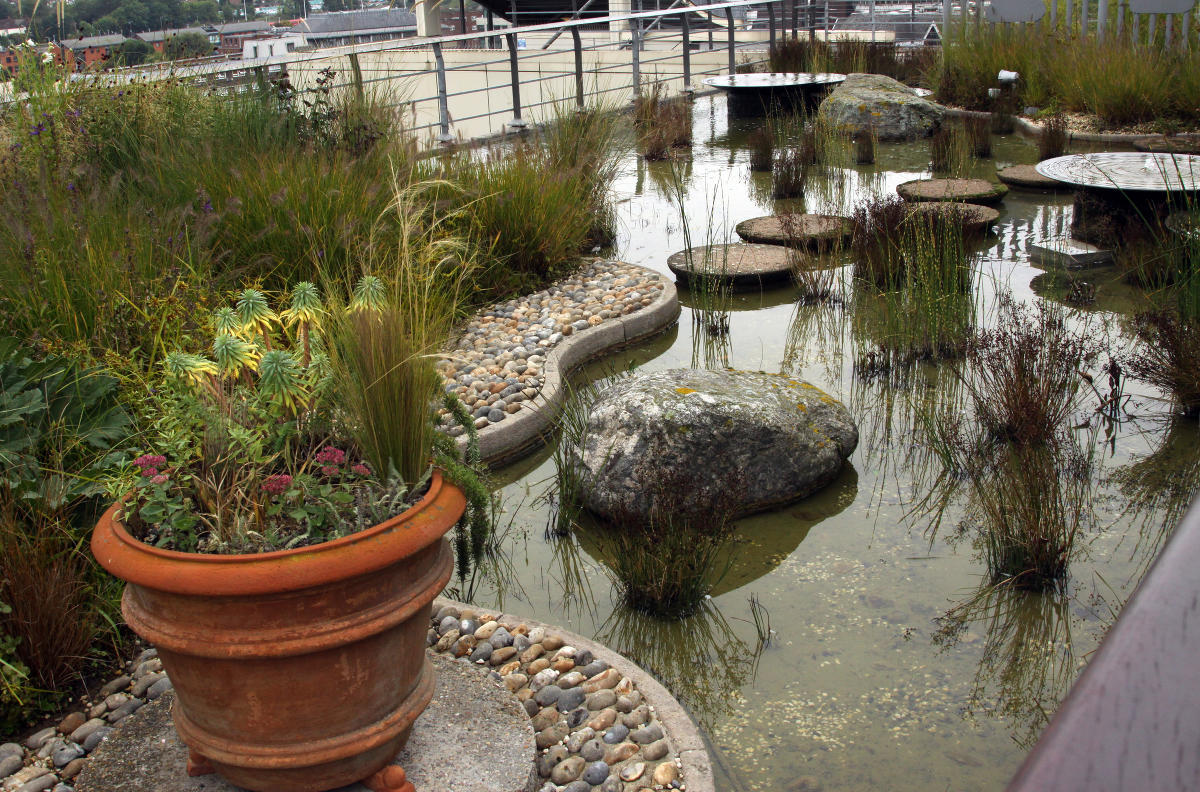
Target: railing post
[578, 66]
[514, 77]
[356, 75]
[795, 19]
[635, 52]
[1101, 19]
[826, 21]
[443, 102]
[685, 27]
[732, 45]
[771, 22]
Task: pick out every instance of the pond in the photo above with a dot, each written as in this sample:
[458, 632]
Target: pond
[862, 685]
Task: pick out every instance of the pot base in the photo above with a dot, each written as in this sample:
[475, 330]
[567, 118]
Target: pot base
[389, 779]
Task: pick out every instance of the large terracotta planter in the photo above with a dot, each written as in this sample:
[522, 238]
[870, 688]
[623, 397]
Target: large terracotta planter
[299, 670]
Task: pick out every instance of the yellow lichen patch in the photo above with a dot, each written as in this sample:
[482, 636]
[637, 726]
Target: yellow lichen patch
[800, 406]
[685, 391]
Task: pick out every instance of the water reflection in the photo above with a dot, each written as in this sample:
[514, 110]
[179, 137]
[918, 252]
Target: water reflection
[1027, 663]
[700, 659]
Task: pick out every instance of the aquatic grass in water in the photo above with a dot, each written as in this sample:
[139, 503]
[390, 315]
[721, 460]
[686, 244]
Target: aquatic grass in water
[875, 242]
[950, 151]
[864, 147]
[979, 133]
[1169, 357]
[665, 563]
[762, 149]
[661, 124]
[1025, 375]
[1052, 140]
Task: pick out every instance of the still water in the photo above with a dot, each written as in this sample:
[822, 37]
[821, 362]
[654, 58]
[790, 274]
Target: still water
[860, 687]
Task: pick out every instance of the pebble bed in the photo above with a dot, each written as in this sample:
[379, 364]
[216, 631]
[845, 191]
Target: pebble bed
[593, 730]
[50, 758]
[497, 364]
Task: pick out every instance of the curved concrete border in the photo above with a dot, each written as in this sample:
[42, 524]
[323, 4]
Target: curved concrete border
[682, 734]
[1032, 128]
[524, 431]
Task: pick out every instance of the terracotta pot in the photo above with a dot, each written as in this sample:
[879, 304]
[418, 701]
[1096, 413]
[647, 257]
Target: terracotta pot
[299, 670]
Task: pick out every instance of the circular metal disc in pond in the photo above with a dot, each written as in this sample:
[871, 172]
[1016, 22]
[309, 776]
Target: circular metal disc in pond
[1027, 176]
[977, 191]
[742, 265]
[975, 218]
[759, 81]
[1126, 170]
[796, 230]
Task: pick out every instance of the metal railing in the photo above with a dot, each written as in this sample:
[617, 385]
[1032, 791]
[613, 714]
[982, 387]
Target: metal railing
[680, 44]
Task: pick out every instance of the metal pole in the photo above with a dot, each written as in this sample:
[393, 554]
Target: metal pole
[872, 21]
[514, 77]
[732, 44]
[685, 27]
[443, 103]
[1187, 29]
[1136, 27]
[1169, 30]
[946, 18]
[462, 17]
[1083, 17]
[1070, 15]
[826, 22]
[1101, 18]
[1151, 24]
[795, 19]
[636, 32]
[771, 23]
[578, 67]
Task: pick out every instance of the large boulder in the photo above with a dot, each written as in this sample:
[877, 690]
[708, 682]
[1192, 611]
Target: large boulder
[894, 110]
[772, 438]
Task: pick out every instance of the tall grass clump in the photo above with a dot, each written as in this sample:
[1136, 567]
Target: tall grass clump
[666, 562]
[1025, 373]
[1052, 140]
[762, 149]
[875, 243]
[1169, 357]
[382, 341]
[799, 54]
[950, 150]
[979, 134]
[815, 277]
[1116, 79]
[661, 124]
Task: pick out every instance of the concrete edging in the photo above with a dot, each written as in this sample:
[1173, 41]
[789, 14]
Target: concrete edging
[681, 732]
[1031, 128]
[524, 431]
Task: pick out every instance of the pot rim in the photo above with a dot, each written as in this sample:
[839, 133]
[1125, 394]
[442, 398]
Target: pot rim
[204, 574]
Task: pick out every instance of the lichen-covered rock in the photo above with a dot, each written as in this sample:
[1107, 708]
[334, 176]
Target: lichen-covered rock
[773, 438]
[894, 110]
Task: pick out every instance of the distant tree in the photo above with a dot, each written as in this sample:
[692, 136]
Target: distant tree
[187, 45]
[198, 11]
[133, 52]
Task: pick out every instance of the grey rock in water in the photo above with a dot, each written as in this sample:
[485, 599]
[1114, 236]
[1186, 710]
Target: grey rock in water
[893, 109]
[770, 438]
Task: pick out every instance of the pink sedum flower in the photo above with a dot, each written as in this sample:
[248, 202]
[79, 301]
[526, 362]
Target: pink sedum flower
[330, 470]
[161, 478]
[331, 456]
[361, 469]
[148, 461]
[149, 472]
[277, 484]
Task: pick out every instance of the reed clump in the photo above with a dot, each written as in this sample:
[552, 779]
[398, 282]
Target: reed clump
[875, 243]
[661, 124]
[950, 150]
[979, 133]
[864, 146]
[667, 561]
[762, 149]
[1169, 358]
[1052, 140]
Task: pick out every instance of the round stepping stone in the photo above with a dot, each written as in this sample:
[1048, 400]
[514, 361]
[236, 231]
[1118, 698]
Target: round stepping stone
[798, 230]
[743, 266]
[1168, 145]
[976, 219]
[1027, 176]
[977, 191]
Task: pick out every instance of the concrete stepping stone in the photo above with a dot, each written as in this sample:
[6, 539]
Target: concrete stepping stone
[1027, 176]
[796, 230]
[976, 219]
[744, 266]
[976, 191]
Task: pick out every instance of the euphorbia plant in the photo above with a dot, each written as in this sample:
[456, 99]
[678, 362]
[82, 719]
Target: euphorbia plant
[247, 453]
